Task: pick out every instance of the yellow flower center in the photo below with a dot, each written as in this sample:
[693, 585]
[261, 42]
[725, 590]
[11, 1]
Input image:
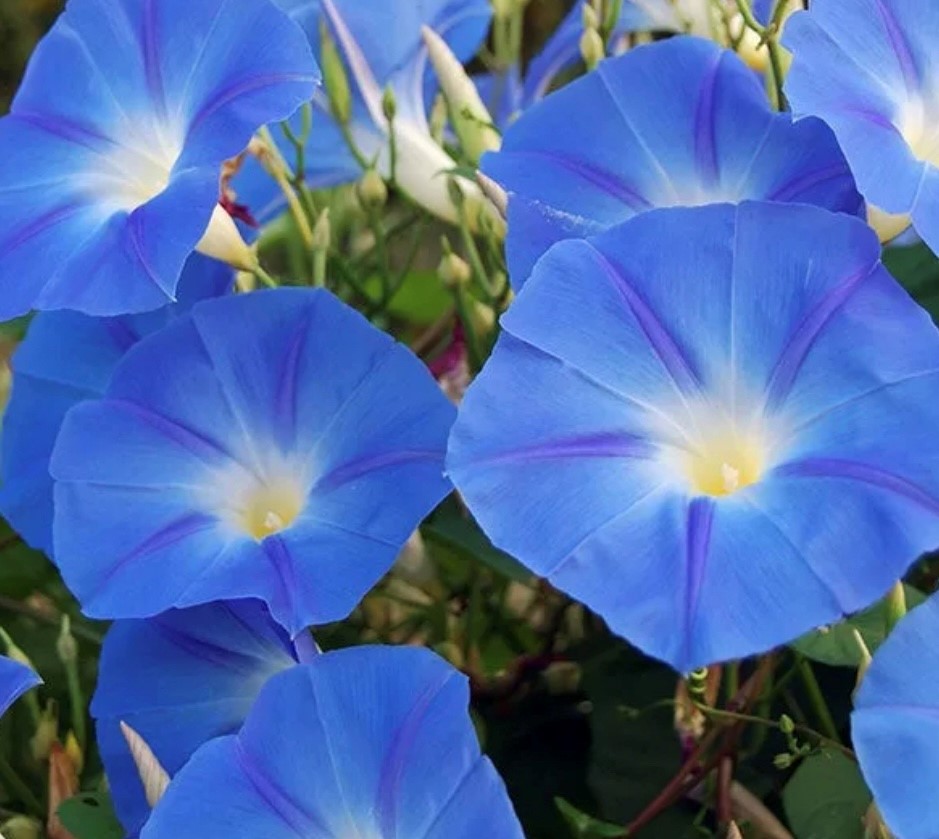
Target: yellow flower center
[726, 463]
[269, 508]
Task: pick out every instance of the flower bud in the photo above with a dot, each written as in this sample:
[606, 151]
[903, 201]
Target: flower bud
[74, 751]
[454, 271]
[322, 232]
[21, 827]
[783, 760]
[590, 17]
[389, 106]
[13, 651]
[471, 119]
[591, 48]
[65, 645]
[153, 777]
[223, 242]
[786, 725]
[335, 79]
[47, 732]
[501, 9]
[371, 190]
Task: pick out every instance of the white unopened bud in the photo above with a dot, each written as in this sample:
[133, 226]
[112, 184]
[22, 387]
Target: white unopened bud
[153, 776]
[454, 271]
[223, 242]
[371, 190]
[591, 48]
[471, 119]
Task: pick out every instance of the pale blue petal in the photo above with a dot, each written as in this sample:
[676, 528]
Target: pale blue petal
[68, 357]
[386, 736]
[15, 680]
[110, 158]
[676, 123]
[179, 680]
[895, 725]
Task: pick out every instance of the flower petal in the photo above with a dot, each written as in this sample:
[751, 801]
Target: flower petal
[179, 680]
[15, 680]
[370, 724]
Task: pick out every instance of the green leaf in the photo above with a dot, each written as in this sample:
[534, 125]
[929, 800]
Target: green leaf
[917, 269]
[836, 645]
[421, 299]
[826, 798]
[90, 816]
[460, 533]
[584, 826]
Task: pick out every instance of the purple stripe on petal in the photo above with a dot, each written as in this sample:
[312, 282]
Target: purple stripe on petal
[705, 145]
[851, 470]
[868, 115]
[804, 336]
[697, 547]
[609, 183]
[669, 353]
[804, 181]
[277, 552]
[170, 534]
[65, 129]
[285, 399]
[233, 91]
[121, 333]
[205, 651]
[198, 444]
[301, 821]
[900, 46]
[151, 56]
[371, 463]
[39, 226]
[598, 446]
[395, 763]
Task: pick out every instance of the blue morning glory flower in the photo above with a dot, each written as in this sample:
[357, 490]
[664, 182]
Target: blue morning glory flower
[110, 158]
[380, 43]
[272, 445]
[65, 358]
[371, 742]
[679, 122]
[715, 426]
[15, 680]
[867, 67]
[895, 725]
[179, 680]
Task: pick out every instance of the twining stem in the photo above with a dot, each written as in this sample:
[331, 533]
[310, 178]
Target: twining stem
[15, 785]
[769, 35]
[265, 278]
[817, 699]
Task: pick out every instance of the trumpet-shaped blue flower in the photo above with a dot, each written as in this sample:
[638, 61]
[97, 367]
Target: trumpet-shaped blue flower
[714, 426]
[869, 69]
[369, 742]
[895, 725]
[676, 123]
[110, 158]
[65, 358]
[272, 445]
[381, 48]
[179, 680]
[15, 680]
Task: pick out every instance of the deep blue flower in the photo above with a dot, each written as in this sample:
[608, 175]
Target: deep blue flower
[680, 122]
[715, 426]
[371, 742]
[868, 68]
[380, 44]
[65, 358]
[895, 725]
[179, 680]
[272, 445]
[110, 159]
[15, 680]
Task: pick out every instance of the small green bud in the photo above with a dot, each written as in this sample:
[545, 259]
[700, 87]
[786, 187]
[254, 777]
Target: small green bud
[786, 725]
[322, 232]
[334, 78]
[21, 827]
[15, 652]
[591, 48]
[389, 105]
[454, 271]
[47, 732]
[590, 17]
[65, 645]
[782, 761]
[371, 190]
